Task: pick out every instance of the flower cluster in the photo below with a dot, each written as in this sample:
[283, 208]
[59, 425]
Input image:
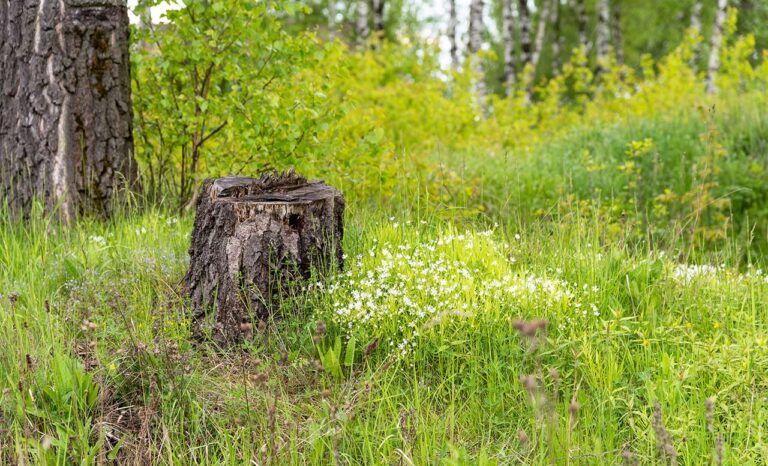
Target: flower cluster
[399, 292]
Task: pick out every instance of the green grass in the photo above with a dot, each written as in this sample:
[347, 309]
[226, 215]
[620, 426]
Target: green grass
[106, 369]
[534, 315]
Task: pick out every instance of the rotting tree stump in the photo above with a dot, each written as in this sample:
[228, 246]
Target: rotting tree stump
[254, 241]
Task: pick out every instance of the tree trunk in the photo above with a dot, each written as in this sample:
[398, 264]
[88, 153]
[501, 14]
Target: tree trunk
[618, 46]
[525, 32]
[583, 25]
[715, 44]
[695, 28]
[361, 25]
[65, 94]
[508, 34]
[557, 40]
[541, 30]
[253, 242]
[603, 33]
[332, 19]
[475, 43]
[378, 18]
[452, 23]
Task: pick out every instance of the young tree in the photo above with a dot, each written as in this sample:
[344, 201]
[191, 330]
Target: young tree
[476, 28]
[65, 124]
[715, 44]
[452, 23]
[361, 24]
[508, 34]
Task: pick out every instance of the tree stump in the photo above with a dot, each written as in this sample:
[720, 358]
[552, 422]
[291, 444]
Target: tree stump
[252, 242]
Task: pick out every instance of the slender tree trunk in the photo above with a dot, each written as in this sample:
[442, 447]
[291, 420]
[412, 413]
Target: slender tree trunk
[361, 25]
[378, 18]
[524, 15]
[65, 95]
[557, 40]
[508, 26]
[696, 29]
[541, 31]
[603, 32]
[452, 23]
[475, 42]
[583, 25]
[715, 44]
[618, 46]
[331, 19]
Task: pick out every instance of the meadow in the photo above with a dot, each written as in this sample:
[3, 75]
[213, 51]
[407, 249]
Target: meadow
[580, 279]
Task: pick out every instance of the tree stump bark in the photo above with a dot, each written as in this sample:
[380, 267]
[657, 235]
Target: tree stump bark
[253, 241]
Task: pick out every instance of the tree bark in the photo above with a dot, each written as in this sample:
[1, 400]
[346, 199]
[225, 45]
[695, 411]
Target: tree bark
[582, 25]
[715, 44]
[362, 30]
[254, 241]
[65, 94]
[541, 30]
[452, 23]
[557, 40]
[508, 34]
[525, 32]
[618, 45]
[603, 33]
[476, 28]
[378, 18]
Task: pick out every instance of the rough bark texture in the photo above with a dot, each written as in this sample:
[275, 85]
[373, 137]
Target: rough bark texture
[715, 44]
[695, 28]
[508, 34]
[476, 27]
[452, 24]
[253, 240]
[65, 124]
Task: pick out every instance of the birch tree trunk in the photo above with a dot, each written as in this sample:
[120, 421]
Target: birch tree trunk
[508, 26]
[583, 25]
[618, 46]
[696, 17]
[65, 95]
[715, 44]
[475, 43]
[696, 29]
[331, 19]
[525, 32]
[361, 24]
[378, 18]
[541, 31]
[603, 33]
[452, 23]
[557, 40]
